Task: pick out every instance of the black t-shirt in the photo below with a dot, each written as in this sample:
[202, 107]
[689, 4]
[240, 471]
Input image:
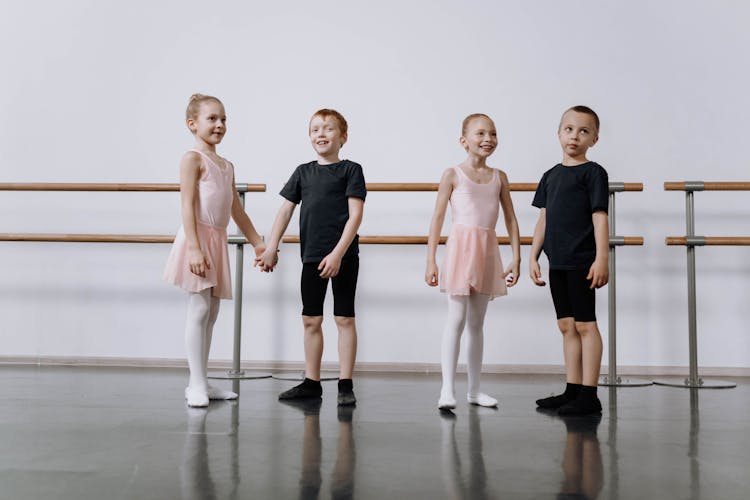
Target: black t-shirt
[571, 195]
[323, 191]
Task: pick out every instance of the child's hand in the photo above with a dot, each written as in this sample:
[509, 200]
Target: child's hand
[266, 258]
[536, 273]
[198, 263]
[512, 273]
[329, 266]
[599, 273]
[431, 274]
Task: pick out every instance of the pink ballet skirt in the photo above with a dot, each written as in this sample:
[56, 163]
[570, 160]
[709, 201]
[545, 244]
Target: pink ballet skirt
[213, 208]
[472, 262]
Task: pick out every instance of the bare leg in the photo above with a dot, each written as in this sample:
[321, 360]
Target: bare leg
[347, 345]
[591, 352]
[313, 345]
[571, 350]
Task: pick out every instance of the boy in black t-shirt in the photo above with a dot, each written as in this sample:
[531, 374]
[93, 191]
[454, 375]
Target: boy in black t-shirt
[332, 194]
[573, 231]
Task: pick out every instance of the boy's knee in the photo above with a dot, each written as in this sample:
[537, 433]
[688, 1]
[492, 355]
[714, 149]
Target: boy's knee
[567, 326]
[587, 327]
[344, 322]
[312, 322]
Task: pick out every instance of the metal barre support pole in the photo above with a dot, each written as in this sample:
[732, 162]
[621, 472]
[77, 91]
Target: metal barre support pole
[611, 378]
[236, 373]
[694, 380]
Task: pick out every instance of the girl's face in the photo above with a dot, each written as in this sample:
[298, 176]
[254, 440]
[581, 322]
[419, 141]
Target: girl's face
[480, 138]
[210, 124]
[325, 135]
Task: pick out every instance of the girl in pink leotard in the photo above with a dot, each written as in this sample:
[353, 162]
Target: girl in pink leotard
[199, 260]
[472, 270]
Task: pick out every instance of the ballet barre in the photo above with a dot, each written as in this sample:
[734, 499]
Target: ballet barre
[611, 379]
[690, 241]
[235, 373]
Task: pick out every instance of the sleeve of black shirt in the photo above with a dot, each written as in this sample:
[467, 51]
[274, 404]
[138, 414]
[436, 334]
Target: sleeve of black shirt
[599, 190]
[292, 190]
[355, 182]
[540, 197]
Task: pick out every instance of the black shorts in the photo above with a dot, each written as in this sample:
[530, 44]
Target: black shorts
[572, 295]
[344, 286]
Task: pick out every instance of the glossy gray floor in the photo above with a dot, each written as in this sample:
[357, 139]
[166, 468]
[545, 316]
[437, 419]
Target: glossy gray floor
[85, 433]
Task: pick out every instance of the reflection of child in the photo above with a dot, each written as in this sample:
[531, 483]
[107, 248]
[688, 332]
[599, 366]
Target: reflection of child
[472, 271]
[332, 193]
[573, 231]
[199, 260]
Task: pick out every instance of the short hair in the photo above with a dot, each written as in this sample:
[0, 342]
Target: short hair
[469, 119]
[585, 110]
[194, 104]
[332, 113]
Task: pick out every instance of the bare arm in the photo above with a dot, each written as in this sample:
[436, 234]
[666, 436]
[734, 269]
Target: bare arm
[599, 271]
[190, 172]
[331, 263]
[445, 189]
[511, 224]
[268, 258]
[243, 220]
[536, 248]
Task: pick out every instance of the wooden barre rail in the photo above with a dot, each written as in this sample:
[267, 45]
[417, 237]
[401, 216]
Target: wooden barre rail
[88, 238]
[707, 186]
[64, 186]
[159, 238]
[254, 188]
[433, 186]
[709, 240]
[422, 240]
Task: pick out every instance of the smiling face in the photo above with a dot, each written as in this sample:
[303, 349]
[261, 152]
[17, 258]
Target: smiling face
[326, 136]
[479, 137]
[210, 123]
[577, 133]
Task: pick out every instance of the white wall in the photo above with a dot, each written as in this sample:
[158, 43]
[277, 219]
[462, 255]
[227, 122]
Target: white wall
[95, 92]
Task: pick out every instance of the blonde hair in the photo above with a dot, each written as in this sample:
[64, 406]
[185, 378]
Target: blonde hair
[469, 119]
[194, 104]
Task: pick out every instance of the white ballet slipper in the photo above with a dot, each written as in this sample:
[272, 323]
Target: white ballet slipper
[446, 402]
[481, 399]
[196, 398]
[218, 393]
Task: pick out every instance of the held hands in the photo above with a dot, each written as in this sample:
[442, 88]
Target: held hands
[535, 273]
[266, 258]
[431, 274]
[198, 263]
[512, 273]
[599, 273]
[330, 265]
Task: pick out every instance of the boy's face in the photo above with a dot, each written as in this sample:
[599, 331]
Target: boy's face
[480, 138]
[325, 135]
[577, 133]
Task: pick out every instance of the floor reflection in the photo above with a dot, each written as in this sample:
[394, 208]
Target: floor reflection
[342, 476]
[582, 464]
[459, 483]
[196, 481]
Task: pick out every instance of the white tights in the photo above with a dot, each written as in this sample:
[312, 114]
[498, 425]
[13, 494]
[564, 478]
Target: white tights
[202, 311]
[468, 311]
